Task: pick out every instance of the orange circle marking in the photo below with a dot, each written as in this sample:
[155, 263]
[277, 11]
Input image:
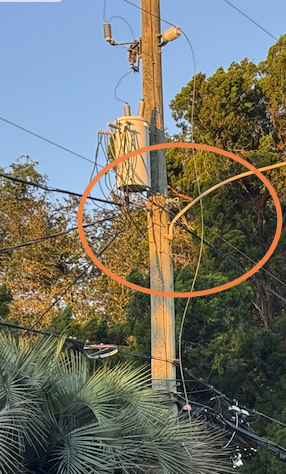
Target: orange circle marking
[171, 293]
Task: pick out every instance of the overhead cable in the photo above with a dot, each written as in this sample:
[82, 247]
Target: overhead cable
[77, 278]
[79, 342]
[53, 236]
[236, 265]
[101, 350]
[45, 139]
[250, 19]
[233, 6]
[246, 256]
[216, 186]
[56, 190]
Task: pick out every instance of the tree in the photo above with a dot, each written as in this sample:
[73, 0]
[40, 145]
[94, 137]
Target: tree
[240, 110]
[57, 417]
[5, 300]
[37, 274]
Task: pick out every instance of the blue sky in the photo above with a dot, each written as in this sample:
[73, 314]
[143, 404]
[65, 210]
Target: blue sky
[58, 74]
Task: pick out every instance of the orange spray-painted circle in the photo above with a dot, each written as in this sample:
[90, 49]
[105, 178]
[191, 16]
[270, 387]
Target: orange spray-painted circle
[170, 293]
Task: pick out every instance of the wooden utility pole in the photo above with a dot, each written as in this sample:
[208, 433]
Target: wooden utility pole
[161, 268]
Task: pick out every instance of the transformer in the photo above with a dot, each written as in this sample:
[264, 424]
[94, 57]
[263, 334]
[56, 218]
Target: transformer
[132, 175]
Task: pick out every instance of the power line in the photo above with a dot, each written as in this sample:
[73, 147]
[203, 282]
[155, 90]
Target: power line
[148, 356]
[250, 19]
[56, 190]
[234, 264]
[228, 259]
[52, 236]
[246, 256]
[70, 285]
[79, 342]
[102, 350]
[38, 331]
[104, 9]
[45, 139]
[233, 6]
[125, 21]
[116, 87]
[146, 11]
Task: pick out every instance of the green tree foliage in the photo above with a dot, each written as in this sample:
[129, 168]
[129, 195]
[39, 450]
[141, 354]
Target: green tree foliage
[40, 273]
[240, 347]
[57, 417]
[5, 300]
[234, 339]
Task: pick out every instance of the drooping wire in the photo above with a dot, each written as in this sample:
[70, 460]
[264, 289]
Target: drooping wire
[99, 140]
[202, 223]
[220, 253]
[127, 23]
[218, 185]
[56, 190]
[45, 139]
[117, 85]
[233, 434]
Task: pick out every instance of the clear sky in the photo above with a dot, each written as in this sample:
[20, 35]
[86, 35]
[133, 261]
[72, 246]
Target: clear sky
[58, 74]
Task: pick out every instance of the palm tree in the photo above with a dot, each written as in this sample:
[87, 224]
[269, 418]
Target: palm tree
[58, 417]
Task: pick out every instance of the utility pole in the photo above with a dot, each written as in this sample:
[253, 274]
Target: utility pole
[161, 267]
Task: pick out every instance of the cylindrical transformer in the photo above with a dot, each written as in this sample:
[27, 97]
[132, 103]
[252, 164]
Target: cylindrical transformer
[171, 34]
[132, 175]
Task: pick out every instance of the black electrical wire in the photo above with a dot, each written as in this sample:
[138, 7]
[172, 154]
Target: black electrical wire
[125, 21]
[52, 236]
[117, 85]
[234, 264]
[79, 342]
[209, 388]
[70, 285]
[147, 356]
[146, 11]
[56, 190]
[233, 6]
[250, 19]
[246, 256]
[74, 341]
[228, 259]
[104, 8]
[45, 139]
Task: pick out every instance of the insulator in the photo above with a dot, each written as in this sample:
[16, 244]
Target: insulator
[141, 108]
[127, 110]
[171, 34]
[107, 31]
